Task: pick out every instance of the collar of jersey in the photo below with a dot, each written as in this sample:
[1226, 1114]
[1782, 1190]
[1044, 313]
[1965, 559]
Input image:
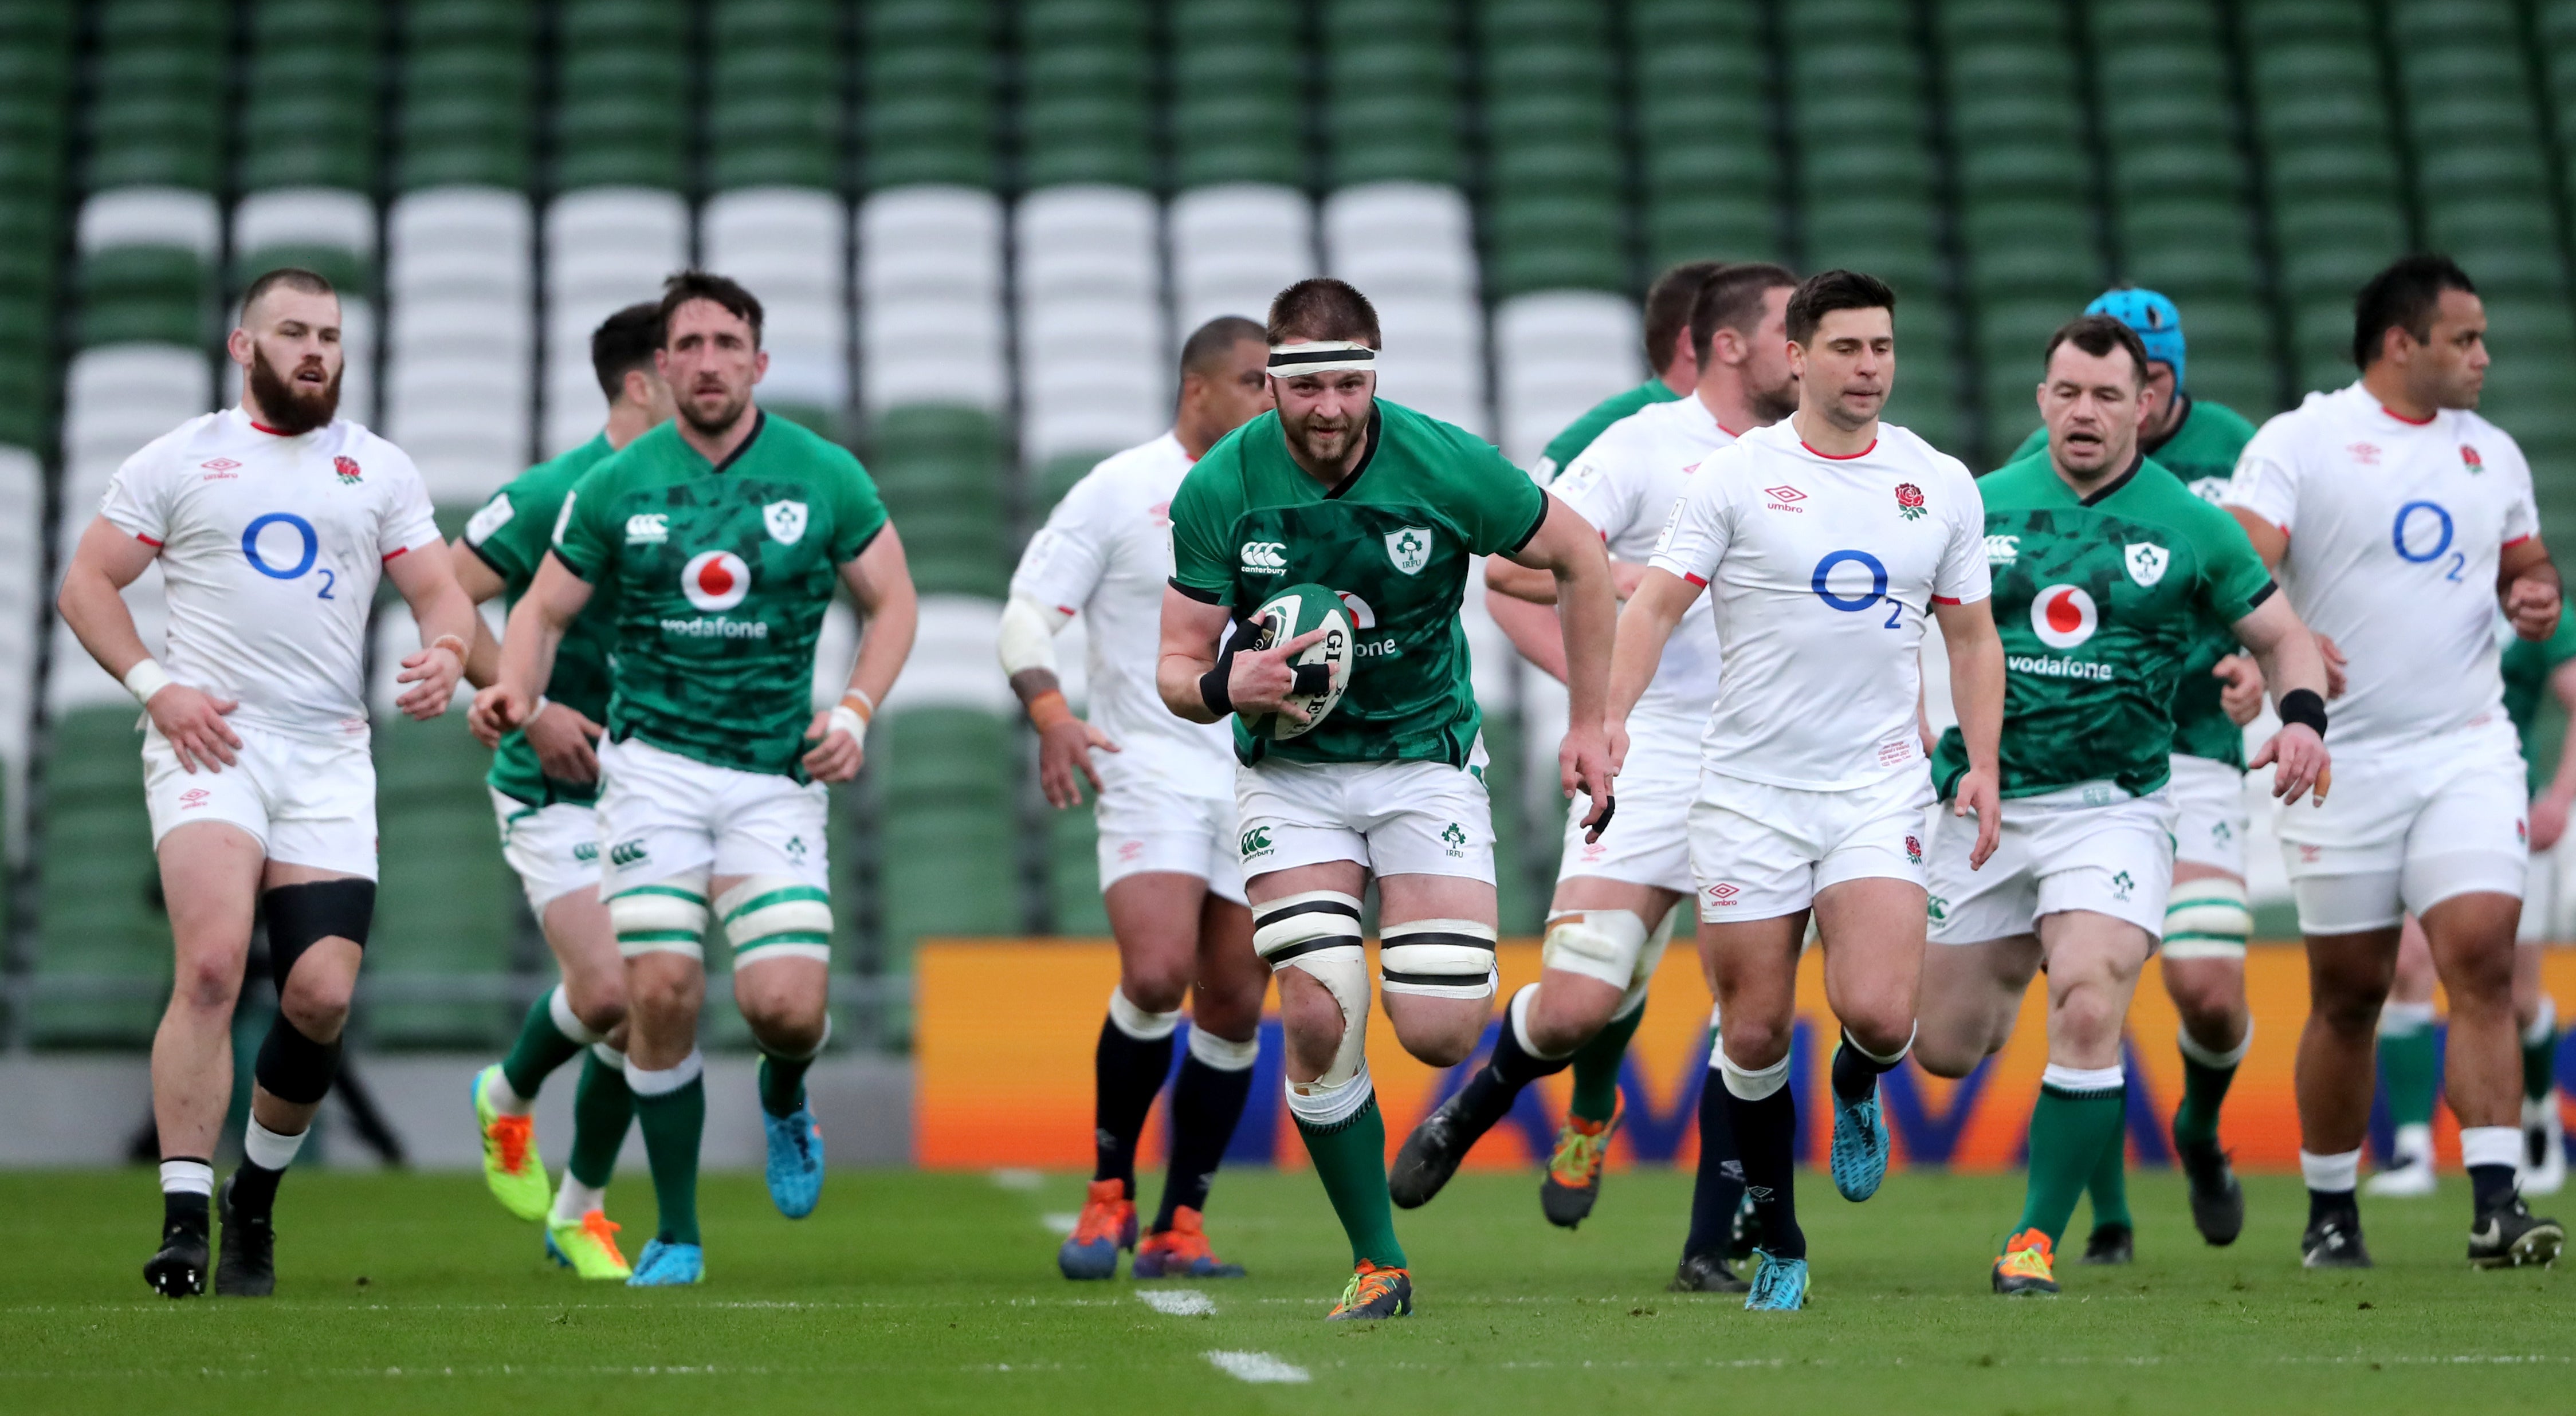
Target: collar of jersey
[1368, 455]
[2187, 405]
[2112, 488]
[759, 421]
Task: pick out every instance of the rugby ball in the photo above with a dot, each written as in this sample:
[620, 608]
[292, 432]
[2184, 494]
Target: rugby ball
[1287, 614]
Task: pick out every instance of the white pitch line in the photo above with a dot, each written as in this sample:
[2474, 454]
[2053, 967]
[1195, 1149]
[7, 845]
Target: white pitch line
[1177, 1302]
[1060, 1221]
[1016, 1179]
[1256, 1367]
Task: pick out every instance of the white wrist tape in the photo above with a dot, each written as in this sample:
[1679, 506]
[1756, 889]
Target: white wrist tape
[146, 679]
[1027, 637]
[846, 719]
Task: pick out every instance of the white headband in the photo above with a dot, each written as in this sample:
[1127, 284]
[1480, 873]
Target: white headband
[1287, 361]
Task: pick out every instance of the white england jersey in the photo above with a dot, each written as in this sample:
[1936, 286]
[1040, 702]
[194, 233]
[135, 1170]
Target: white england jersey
[1625, 484]
[1106, 553]
[2394, 530]
[271, 548]
[1822, 569]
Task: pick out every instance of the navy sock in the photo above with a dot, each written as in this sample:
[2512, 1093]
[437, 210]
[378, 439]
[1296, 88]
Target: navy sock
[2492, 1185]
[1126, 1073]
[1489, 1093]
[1766, 1139]
[1719, 1189]
[1206, 1104]
[1855, 1072]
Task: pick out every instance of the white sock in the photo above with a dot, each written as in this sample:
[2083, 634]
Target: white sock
[504, 1100]
[576, 1199]
[2544, 1023]
[2490, 1145]
[1517, 1012]
[1222, 1054]
[2334, 1174]
[1135, 1022]
[567, 1022]
[1326, 1106]
[668, 1080]
[187, 1177]
[270, 1151]
[2413, 1144]
[1752, 1086]
[2080, 1080]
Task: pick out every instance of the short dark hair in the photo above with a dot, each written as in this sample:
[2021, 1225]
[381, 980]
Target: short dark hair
[293, 278]
[1828, 291]
[2405, 296]
[623, 343]
[1669, 302]
[1732, 299]
[2098, 335]
[1204, 352]
[684, 286]
[1321, 307]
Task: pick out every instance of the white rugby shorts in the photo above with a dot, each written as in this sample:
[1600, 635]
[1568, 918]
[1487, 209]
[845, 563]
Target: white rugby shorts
[2210, 820]
[1760, 851]
[306, 800]
[553, 848]
[662, 814]
[1648, 842]
[1396, 818]
[2085, 848]
[2408, 827]
[1147, 826]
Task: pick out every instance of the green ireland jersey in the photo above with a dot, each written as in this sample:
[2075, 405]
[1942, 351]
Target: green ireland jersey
[722, 573]
[1394, 538]
[2202, 452]
[1578, 435]
[2099, 601]
[2527, 667]
[510, 533]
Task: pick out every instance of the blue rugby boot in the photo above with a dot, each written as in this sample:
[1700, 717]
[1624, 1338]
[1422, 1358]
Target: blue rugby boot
[1779, 1285]
[1860, 1146]
[795, 1160]
[668, 1265]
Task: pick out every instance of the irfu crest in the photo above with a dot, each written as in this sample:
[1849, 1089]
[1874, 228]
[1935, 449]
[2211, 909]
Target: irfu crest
[1409, 549]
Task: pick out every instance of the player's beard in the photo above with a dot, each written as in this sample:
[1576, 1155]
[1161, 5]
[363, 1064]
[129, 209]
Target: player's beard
[726, 415]
[1309, 440]
[1773, 404]
[291, 407]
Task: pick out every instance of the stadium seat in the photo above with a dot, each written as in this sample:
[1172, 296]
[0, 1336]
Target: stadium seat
[943, 472]
[448, 910]
[1555, 355]
[22, 614]
[1234, 246]
[1238, 109]
[952, 866]
[775, 95]
[459, 275]
[102, 948]
[1390, 110]
[930, 298]
[929, 115]
[790, 247]
[606, 248]
[331, 231]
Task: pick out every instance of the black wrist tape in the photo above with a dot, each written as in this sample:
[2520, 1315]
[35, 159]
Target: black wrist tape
[2304, 705]
[1312, 679]
[1216, 686]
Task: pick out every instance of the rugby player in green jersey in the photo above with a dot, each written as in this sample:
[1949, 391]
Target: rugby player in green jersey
[2105, 567]
[722, 534]
[1386, 507]
[2208, 918]
[544, 782]
[1668, 349]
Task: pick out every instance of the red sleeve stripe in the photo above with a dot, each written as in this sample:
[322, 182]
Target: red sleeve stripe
[147, 540]
[2518, 540]
[1946, 600]
[398, 550]
[1695, 580]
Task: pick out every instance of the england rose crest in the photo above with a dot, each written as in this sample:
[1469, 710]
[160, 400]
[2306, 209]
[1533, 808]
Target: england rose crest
[1909, 500]
[347, 467]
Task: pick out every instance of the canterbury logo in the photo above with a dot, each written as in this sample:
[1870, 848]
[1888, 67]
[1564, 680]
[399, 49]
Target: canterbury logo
[625, 853]
[1265, 557]
[647, 528]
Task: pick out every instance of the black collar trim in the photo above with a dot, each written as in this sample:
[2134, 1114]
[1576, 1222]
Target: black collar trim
[2185, 400]
[2117, 483]
[759, 420]
[1368, 455]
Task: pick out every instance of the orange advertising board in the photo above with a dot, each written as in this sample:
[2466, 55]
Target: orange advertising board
[1005, 1030]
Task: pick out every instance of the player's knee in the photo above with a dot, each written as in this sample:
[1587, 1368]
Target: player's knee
[1232, 1011]
[1598, 944]
[776, 917]
[1443, 1041]
[666, 917]
[1755, 1043]
[1948, 1052]
[2085, 1016]
[598, 1001]
[1155, 985]
[1438, 958]
[207, 985]
[2203, 1001]
[662, 995]
[294, 1066]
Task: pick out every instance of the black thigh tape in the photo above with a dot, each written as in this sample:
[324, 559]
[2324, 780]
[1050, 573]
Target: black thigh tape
[294, 1068]
[300, 916]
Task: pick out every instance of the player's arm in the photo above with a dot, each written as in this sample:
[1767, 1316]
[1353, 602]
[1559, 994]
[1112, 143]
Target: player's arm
[1977, 696]
[481, 584]
[880, 581]
[107, 560]
[528, 643]
[1202, 682]
[2294, 664]
[427, 580]
[2549, 809]
[2527, 587]
[1637, 650]
[1061, 567]
[1566, 546]
[1533, 629]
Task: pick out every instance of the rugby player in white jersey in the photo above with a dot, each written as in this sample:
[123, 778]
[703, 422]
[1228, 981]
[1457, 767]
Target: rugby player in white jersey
[1607, 923]
[1825, 541]
[1165, 789]
[2398, 520]
[273, 522]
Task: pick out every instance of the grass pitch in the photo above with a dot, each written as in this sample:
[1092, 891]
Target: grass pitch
[919, 1292]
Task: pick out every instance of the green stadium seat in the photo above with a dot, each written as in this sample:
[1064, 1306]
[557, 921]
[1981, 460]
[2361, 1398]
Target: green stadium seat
[449, 913]
[145, 293]
[949, 860]
[101, 961]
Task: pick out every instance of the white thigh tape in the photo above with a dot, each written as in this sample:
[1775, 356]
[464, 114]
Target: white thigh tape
[2207, 919]
[1292, 925]
[1439, 958]
[1598, 944]
[776, 916]
[1343, 971]
[667, 917]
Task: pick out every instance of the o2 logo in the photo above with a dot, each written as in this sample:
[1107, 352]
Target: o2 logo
[2420, 522]
[274, 562]
[1855, 604]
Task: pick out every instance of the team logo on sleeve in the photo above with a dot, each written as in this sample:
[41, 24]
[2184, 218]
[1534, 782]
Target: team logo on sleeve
[1909, 501]
[495, 514]
[1409, 549]
[2063, 616]
[347, 469]
[715, 580]
[785, 520]
[2146, 562]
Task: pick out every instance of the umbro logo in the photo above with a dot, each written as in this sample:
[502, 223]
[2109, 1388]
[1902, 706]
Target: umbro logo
[1784, 493]
[2364, 454]
[220, 469]
[1723, 894]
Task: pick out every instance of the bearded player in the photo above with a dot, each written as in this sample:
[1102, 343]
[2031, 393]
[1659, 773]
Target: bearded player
[545, 783]
[1825, 541]
[1608, 923]
[273, 522]
[1384, 506]
[722, 534]
[1165, 803]
[2106, 569]
[2399, 521]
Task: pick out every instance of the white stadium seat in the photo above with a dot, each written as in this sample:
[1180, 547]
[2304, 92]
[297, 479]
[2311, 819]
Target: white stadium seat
[606, 248]
[930, 299]
[459, 276]
[1234, 247]
[1087, 241]
[954, 663]
[306, 216]
[152, 216]
[22, 559]
[1408, 238]
[789, 246]
[1555, 355]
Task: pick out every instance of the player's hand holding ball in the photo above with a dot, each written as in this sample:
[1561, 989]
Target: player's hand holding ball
[2532, 605]
[433, 673]
[1292, 671]
[562, 738]
[193, 721]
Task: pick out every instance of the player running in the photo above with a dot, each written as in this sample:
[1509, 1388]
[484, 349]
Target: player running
[722, 534]
[2106, 571]
[1165, 789]
[1608, 922]
[1825, 541]
[2399, 520]
[1384, 506]
[545, 782]
[1670, 351]
[2208, 916]
[272, 522]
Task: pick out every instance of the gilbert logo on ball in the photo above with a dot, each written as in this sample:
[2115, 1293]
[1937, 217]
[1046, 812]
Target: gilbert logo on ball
[2063, 616]
[1289, 613]
[715, 580]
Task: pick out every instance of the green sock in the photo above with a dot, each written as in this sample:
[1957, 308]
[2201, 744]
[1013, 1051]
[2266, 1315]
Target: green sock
[1350, 1158]
[1596, 1067]
[2539, 1050]
[673, 1121]
[601, 1108]
[2109, 1185]
[782, 1082]
[2407, 1063]
[541, 1047]
[2204, 1090]
[2068, 1131]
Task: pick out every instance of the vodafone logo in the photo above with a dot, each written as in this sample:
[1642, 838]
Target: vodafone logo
[715, 580]
[2063, 616]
